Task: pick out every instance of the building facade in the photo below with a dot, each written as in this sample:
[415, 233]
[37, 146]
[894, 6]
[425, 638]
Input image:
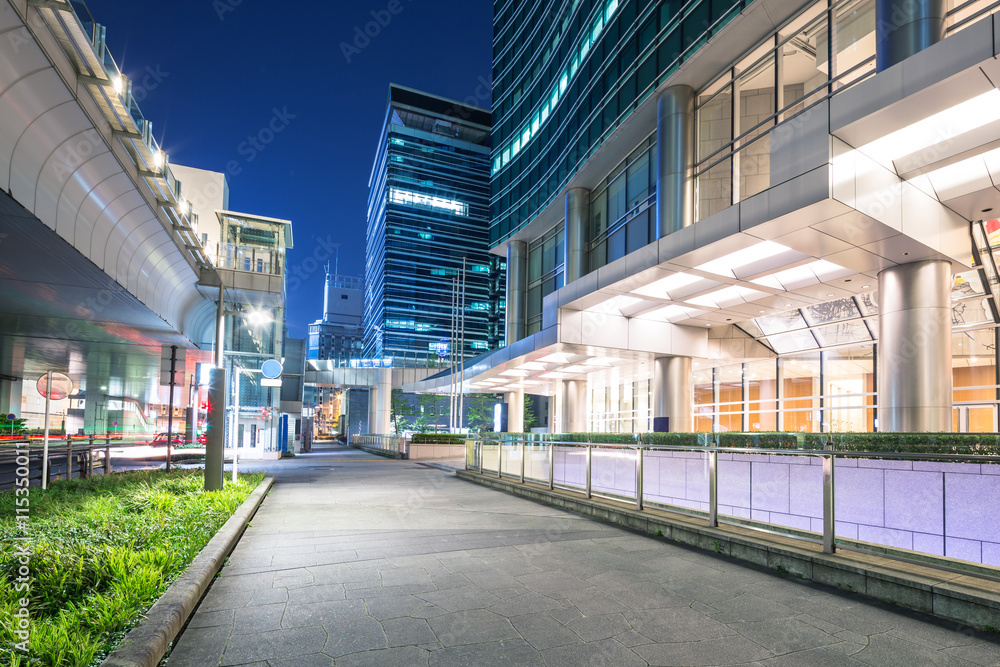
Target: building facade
[746, 216]
[428, 217]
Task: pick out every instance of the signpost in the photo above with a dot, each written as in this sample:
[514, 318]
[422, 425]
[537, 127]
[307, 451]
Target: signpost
[169, 361]
[10, 420]
[54, 387]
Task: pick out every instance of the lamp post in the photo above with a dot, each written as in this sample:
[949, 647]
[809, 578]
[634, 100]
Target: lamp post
[215, 436]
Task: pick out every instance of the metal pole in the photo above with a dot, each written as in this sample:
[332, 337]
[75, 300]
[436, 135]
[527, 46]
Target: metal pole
[45, 439]
[500, 459]
[522, 459]
[215, 438]
[461, 353]
[480, 447]
[220, 325]
[170, 404]
[638, 477]
[713, 489]
[69, 458]
[829, 525]
[107, 460]
[589, 459]
[237, 370]
[552, 465]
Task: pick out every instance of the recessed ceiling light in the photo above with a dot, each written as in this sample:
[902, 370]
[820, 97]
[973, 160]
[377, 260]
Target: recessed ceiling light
[848, 280]
[905, 254]
[830, 294]
[865, 286]
[987, 210]
[788, 305]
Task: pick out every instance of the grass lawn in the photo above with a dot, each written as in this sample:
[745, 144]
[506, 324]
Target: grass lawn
[102, 551]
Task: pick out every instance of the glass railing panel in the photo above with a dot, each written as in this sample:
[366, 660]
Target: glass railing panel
[613, 471]
[570, 467]
[676, 478]
[536, 462]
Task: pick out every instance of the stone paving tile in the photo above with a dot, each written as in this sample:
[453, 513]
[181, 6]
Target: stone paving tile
[406, 631]
[354, 635]
[258, 618]
[513, 653]
[375, 562]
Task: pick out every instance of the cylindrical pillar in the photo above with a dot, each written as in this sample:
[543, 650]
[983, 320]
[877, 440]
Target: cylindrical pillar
[373, 400]
[574, 406]
[906, 27]
[517, 280]
[215, 436]
[914, 353]
[673, 395]
[674, 160]
[577, 233]
[515, 412]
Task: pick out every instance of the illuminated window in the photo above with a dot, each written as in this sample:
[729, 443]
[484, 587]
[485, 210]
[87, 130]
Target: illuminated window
[410, 198]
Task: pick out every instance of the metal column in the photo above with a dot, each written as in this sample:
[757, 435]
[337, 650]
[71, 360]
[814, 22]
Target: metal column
[517, 268]
[914, 360]
[673, 395]
[906, 27]
[577, 228]
[674, 160]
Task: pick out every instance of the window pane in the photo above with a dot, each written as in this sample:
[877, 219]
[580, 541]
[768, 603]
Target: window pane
[617, 203]
[800, 393]
[715, 189]
[762, 397]
[638, 180]
[848, 375]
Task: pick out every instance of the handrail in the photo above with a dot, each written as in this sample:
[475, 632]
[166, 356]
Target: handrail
[511, 458]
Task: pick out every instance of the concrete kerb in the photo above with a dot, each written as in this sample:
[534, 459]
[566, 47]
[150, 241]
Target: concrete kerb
[146, 644]
[951, 595]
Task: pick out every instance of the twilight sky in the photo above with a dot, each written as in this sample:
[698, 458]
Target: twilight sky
[212, 74]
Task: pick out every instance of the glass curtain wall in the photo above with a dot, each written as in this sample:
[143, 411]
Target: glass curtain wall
[782, 77]
[545, 273]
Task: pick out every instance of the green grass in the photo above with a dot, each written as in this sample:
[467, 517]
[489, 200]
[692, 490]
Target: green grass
[102, 551]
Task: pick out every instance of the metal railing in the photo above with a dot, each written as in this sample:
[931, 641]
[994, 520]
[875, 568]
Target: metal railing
[623, 475]
[68, 457]
[384, 445]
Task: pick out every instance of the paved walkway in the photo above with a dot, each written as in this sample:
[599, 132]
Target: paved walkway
[358, 560]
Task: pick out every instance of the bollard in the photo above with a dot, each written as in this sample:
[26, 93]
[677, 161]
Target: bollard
[69, 458]
[107, 460]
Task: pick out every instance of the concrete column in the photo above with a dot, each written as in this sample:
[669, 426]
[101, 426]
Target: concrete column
[373, 399]
[380, 403]
[674, 160]
[914, 354]
[517, 282]
[515, 412]
[574, 406]
[673, 395]
[10, 397]
[577, 233]
[906, 27]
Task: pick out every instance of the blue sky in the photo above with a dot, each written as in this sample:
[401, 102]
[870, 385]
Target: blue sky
[213, 74]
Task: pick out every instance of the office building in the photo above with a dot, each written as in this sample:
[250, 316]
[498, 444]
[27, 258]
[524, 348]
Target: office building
[338, 336]
[739, 216]
[428, 216]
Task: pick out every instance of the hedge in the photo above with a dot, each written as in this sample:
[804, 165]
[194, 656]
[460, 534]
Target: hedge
[983, 444]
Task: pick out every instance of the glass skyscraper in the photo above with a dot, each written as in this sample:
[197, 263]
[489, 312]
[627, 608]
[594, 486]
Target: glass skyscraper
[428, 214]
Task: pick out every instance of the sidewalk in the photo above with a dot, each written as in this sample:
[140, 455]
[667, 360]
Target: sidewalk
[371, 561]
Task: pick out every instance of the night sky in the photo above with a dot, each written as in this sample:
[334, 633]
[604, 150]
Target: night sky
[211, 74]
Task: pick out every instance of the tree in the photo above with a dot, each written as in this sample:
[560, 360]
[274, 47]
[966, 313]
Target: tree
[402, 411]
[530, 417]
[481, 411]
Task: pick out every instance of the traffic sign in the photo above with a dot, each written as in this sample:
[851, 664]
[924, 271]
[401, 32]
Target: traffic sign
[271, 369]
[62, 387]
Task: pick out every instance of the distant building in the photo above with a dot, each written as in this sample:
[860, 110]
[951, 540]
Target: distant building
[338, 336]
[428, 212]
